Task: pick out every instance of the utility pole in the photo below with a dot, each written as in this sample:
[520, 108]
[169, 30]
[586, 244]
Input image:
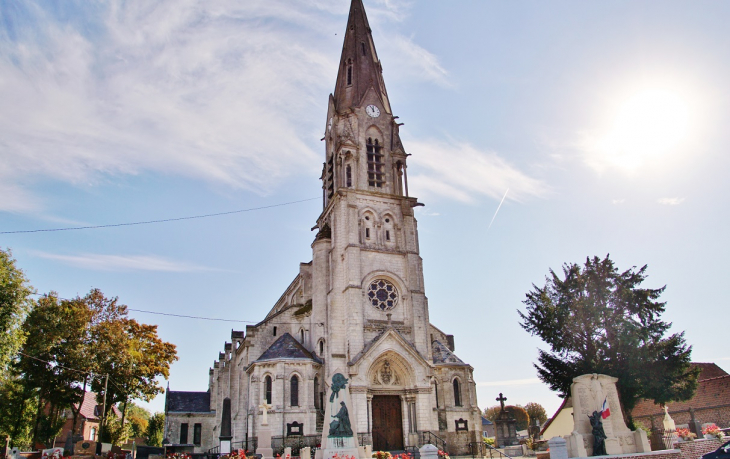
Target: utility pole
[103, 410]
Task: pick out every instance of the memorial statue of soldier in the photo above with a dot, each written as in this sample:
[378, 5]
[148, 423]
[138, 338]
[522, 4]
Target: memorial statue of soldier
[599, 436]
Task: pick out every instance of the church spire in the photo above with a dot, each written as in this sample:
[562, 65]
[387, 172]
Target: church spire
[360, 68]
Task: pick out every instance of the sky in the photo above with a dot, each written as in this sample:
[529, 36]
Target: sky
[541, 133]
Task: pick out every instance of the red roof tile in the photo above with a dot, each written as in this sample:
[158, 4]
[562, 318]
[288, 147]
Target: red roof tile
[89, 404]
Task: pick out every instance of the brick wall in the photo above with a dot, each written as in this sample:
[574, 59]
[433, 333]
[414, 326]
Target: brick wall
[719, 415]
[695, 449]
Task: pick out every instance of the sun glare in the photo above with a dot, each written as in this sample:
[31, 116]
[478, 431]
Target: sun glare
[647, 125]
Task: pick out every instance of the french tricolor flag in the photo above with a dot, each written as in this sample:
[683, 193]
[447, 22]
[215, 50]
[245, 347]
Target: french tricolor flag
[605, 411]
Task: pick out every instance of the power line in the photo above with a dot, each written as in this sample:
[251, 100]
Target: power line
[57, 364]
[191, 317]
[112, 225]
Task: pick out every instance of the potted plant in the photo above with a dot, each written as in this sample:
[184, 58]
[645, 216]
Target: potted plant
[685, 435]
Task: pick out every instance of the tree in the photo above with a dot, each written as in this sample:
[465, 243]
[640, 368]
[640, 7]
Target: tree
[513, 411]
[536, 411]
[15, 302]
[129, 352]
[598, 320]
[491, 413]
[520, 415]
[156, 429]
[138, 419]
[50, 360]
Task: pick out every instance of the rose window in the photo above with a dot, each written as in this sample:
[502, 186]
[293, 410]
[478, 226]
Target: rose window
[382, 294]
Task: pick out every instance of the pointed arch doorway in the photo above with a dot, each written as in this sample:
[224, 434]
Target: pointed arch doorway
[390, 377]
[387, 423]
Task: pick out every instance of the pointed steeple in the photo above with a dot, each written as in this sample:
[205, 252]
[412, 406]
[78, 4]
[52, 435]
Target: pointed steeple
[360, 68]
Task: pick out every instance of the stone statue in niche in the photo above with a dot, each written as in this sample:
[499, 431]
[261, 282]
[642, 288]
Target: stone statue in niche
[340, 426]
[385, 373]
[599, 436]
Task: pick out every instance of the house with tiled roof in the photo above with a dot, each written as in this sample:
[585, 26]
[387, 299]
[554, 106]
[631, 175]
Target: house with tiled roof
[89, 418]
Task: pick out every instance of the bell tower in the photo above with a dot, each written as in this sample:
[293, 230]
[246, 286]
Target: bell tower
[363, 147]
[367, 248]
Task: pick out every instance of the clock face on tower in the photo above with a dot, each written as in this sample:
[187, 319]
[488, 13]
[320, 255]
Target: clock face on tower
[372, 111]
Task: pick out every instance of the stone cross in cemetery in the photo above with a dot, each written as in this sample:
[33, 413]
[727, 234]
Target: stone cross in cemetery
[501, 399]
[505, 425]
[265, 407]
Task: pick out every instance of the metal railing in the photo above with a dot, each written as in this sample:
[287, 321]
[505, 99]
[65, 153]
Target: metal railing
[364, 438]
[426, 436]
[296, 443]
[476, 448]
[494, 452]
[249, 444]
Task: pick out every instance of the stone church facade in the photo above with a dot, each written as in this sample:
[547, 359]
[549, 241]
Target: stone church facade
[358, 308]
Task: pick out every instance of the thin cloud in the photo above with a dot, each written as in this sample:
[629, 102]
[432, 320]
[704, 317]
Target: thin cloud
[459, 171]
[102, 262]
[416, 62]
[670, 201]
[509, 382]
[617, 201]
[219, 92]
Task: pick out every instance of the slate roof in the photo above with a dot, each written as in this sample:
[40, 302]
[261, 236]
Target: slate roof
[443, 355]
[486, 422]
[286, 347]
[188, 402]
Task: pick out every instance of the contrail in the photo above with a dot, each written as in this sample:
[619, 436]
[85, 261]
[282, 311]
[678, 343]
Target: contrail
[495, 212]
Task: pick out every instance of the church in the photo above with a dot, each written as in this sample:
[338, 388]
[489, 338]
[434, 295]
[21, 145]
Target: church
[358, 308]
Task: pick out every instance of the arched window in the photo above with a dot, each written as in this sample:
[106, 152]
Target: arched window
[321, 347]
[301, 336]
[348, 175]
[362, 47]
[294, 392]
[376, 166]
[457, 393]
[349, 72]
[274, 331]
[92, 434]
[267, 390]
[317, 405]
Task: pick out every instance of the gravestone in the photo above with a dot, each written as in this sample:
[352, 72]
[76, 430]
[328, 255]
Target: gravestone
[589, 394]
[339, 439]
[558, 448]
[263, 446]
[85, 448]
[305, 453]
[287, 452]
[505, 426]
[429, 451]
[694, 424]
[225, 436]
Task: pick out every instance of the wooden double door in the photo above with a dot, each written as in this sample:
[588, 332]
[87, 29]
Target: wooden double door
[387, 423]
